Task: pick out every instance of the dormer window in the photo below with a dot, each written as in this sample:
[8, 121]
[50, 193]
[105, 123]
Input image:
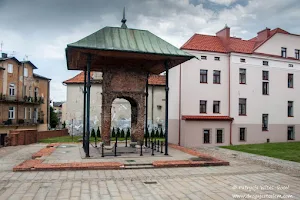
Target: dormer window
[217, 58]
[297, 54]
[283, 52]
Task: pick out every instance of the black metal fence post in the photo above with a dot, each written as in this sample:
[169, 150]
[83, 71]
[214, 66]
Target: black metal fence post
[126, 140]
[152, 144]
[116, 140]
[102, 150]
[115, 148]
[161, 147]
[158, 146]
[141, 149]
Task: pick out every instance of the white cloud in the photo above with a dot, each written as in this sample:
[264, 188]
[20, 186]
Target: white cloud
[223, 2]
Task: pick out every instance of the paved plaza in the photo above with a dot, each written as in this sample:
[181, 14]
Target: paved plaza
[243, 177]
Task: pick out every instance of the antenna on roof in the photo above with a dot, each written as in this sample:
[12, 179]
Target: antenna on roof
[1, 45]
[123, 20]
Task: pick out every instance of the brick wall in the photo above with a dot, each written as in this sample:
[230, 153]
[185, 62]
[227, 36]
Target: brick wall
[50, 134]
[25, 137]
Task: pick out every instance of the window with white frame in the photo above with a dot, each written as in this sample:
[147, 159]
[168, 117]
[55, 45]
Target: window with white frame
[242, 134]
[12, 89]
[265, 122]
[10, 68]
[206, 136]
[11, 113]
[219, 135]
[291, 133]
[242, 76]
[25, 72]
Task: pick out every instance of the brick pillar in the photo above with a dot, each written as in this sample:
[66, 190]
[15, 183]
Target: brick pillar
[138, 118]
[106, 119]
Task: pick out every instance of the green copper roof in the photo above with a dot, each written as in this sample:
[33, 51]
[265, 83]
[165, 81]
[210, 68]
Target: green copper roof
[130, 40]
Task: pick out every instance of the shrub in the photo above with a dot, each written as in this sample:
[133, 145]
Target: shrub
[93, 133]
[113, 134]
[98, 132]
[161, 134]
[156, 133]
[152, 134]
[118, 132]
[64, 124]
[122, 133]
[128, 133]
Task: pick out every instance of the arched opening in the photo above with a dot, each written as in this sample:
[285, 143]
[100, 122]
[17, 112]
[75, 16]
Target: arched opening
[123, 115]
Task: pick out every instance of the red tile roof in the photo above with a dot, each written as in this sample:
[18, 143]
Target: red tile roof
[211, 43]
[205, 117]
[153, 79]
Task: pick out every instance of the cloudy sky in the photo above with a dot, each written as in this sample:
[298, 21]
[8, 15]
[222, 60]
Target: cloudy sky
[41, 29]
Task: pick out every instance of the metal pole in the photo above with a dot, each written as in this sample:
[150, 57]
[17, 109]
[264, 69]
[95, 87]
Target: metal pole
[115, 148]
[141, 149]
[84, 110]
[161, 147]
[102, 150]
[72, 131]
[167, 109]
[146, 121]
[152, 149]
[126, 140]
[158, 146]
[88, 101]
[96, 139]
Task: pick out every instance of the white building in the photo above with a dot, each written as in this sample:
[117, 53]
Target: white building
[121, 109]
[238, 92]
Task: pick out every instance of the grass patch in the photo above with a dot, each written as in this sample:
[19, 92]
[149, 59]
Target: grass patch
[285, 150]
[76, 139]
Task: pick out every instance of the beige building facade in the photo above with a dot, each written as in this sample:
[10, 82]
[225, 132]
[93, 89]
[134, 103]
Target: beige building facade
[24, 96]
[72, 109]
[237, 91]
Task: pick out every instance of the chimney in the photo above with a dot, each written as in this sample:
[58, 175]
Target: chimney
[4, 55]
[263, 35]
[224, 35]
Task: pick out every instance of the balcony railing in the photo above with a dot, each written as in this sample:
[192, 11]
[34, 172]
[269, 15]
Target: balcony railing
[25, 99]
[22, 122]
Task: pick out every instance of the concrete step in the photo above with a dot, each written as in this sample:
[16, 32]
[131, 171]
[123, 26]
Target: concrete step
[138, 166]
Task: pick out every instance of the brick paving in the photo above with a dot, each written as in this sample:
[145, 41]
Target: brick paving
[241, 177]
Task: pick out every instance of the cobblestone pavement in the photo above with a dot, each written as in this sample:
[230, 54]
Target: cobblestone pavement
[241, 178]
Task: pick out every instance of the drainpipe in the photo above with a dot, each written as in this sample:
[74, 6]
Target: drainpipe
[229, 71]
[179, 114]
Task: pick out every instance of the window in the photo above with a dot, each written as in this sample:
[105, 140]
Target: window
[206, 136]
[11, 113]
[25, 113]
[217, 77]
[203, 76]
[29, 113]
[217, 58]
[29, 91]
[202, 106]
[219, 136]
[203, 57]
[290, 80]
[242, 106]
[266, 63]
[265, 122]
[36, 92]
[11, 89]
[291, 65]
[242, 134]
[216, 107]
[243, 60]
[283, 52]
[290, 133]
[265, 88]
[25, 72]
[297, 54]
[290, 109]
[10, 68]
[265, 75]
[242, 76]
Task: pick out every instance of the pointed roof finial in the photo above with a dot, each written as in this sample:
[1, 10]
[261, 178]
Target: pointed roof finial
[123, 20]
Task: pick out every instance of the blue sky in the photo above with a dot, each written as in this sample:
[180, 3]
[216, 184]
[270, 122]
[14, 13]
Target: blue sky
[41, 29]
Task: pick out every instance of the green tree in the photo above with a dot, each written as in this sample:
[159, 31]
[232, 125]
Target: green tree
[98, 132]
[113, 133]
[128, 133]
[122, 133]
[118, 132]
[64, 124]
[53, 118]
[93, 133]
[161, 134]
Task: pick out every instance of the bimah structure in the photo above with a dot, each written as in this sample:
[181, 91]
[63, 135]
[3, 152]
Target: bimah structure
[126, 57]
